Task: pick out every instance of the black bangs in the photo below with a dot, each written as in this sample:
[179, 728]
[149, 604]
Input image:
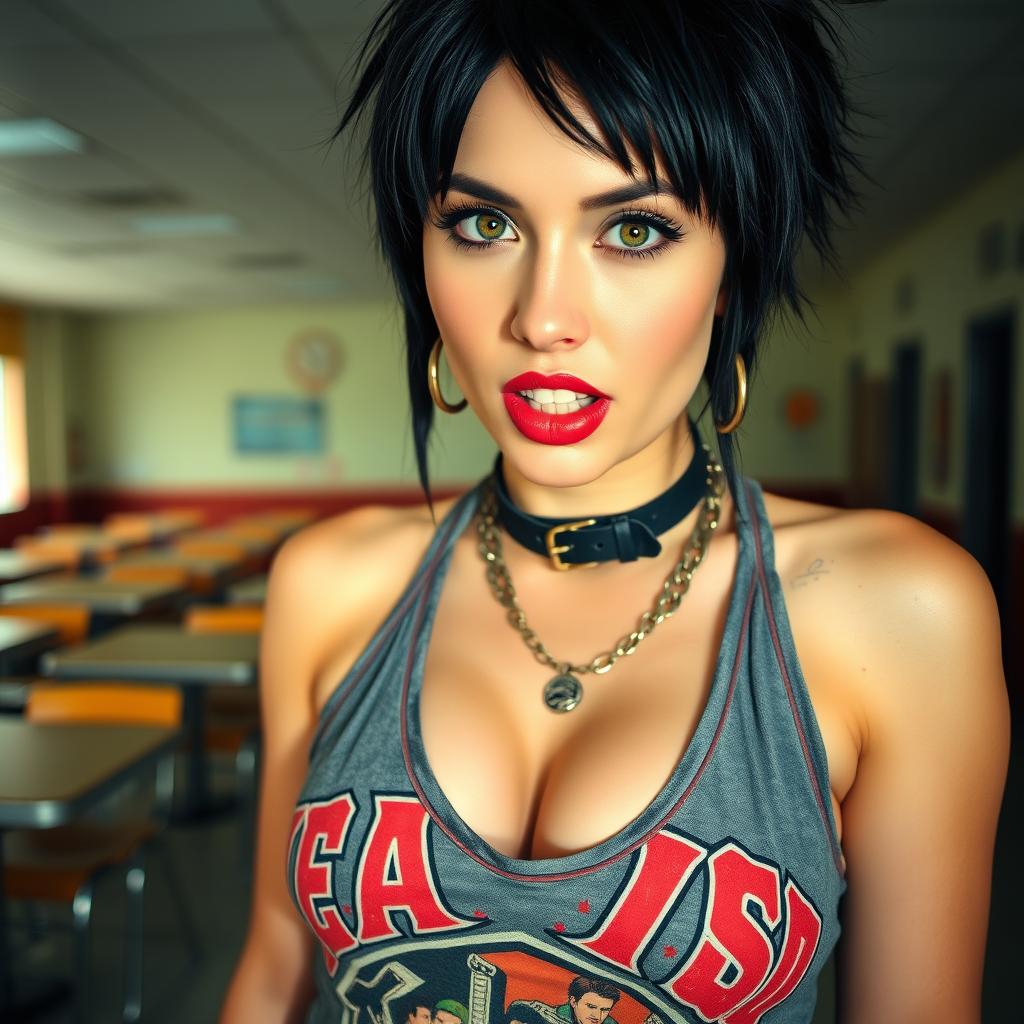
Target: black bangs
[740, 102]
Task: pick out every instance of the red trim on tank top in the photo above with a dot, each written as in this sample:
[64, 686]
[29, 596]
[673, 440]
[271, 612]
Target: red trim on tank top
[836, 850]
[636, 844]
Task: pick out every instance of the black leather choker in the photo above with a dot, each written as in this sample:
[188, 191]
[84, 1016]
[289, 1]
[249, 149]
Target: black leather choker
[580, 543]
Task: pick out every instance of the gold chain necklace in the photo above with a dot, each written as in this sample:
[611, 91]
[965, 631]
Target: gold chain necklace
[564, 691]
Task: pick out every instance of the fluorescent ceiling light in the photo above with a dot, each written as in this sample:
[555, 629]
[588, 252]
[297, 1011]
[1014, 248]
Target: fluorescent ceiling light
[36, 136]
[186, 225]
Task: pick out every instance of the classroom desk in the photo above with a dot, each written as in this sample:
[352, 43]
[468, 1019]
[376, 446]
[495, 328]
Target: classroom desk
[103, 597]
[22, 639]
[16, 566]
[251, 545]
[215, 572]
[154, 526]
[92, 541]
[49, 774]
[167, 654]
[249, 591]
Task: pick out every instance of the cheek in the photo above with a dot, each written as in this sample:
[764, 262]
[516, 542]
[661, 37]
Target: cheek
[462, 305]
[667, 337]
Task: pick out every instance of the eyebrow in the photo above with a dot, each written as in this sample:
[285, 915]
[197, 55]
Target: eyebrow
[625, 194]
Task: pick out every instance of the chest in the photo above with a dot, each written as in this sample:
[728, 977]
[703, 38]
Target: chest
[535, 784]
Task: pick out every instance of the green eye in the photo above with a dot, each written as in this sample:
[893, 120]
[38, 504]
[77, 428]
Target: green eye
[634, 233]
[489, 226]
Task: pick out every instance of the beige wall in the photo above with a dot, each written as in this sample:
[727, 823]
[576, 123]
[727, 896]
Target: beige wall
[48, 339]
[861, 317]
[158, 389]
[151, 393]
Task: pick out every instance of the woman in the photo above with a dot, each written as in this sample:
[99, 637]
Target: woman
[475, 796]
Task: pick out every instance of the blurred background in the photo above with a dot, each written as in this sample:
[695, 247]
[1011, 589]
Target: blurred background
[200, 352]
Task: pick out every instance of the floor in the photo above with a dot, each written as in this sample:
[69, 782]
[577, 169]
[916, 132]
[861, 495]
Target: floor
[209, 859]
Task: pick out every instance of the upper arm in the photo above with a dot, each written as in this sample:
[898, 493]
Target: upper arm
[305, 612]
[920, 819]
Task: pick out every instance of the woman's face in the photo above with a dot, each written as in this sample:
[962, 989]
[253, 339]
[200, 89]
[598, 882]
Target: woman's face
[544, 278]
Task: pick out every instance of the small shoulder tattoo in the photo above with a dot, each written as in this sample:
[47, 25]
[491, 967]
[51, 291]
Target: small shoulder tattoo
[813, 573]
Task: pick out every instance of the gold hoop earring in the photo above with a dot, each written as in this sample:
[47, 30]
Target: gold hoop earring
[741, 398]
[434, 384]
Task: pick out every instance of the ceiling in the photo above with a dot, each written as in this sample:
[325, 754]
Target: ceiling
[224, 106]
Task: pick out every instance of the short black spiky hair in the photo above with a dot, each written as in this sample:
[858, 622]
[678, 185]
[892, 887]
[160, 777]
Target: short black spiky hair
[743, 100]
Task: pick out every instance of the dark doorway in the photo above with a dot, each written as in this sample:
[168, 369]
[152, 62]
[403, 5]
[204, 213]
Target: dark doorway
[869, 429]
[904, 436]
[988, 451]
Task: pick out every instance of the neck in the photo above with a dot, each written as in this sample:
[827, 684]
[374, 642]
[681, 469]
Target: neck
[632, 482]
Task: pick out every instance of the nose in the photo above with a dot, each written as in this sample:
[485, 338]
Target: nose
[550, 304]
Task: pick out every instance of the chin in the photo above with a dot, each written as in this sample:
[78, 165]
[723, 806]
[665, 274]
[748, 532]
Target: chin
[569, 465]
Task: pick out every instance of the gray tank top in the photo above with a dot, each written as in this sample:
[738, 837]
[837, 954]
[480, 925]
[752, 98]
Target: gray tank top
[718, 903]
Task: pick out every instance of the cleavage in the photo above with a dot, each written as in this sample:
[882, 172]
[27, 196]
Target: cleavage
[534, 784]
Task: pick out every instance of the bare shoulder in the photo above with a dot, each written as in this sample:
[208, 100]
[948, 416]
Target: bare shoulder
[909, 613]
[351, 556]
[332, 583]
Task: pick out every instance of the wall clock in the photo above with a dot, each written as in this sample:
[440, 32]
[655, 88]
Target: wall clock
[314, 359]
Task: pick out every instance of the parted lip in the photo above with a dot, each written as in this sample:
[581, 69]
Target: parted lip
[531, 380]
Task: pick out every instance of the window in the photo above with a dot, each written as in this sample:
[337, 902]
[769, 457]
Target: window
[13, 435]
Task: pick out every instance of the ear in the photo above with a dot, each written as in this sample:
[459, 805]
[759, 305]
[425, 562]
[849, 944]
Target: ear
[723, 300]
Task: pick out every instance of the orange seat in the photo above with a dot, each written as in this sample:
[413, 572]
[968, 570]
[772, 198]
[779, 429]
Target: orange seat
[212, 618]
[172, 575]
[129, 527]
[62, 863]
[222, 549]
[104, 703]
[61, 552]
[70, 620]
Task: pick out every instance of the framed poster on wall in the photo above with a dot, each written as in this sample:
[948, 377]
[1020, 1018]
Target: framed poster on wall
[277, 425]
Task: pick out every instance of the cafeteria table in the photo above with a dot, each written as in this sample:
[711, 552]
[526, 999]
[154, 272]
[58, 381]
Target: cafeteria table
[103, 597]
[165, 653]
[217, 572]
[155, 527]
[49, 774]
[15, 565]
[251, 545]
[21, 640]
[249, 591]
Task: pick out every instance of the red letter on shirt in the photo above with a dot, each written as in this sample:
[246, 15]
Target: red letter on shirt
[803, 930]
[322, 827]
[395, 874]
[665, 865]
[732, 939]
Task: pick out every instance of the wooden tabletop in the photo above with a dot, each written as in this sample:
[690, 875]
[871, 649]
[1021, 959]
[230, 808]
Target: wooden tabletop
[50, 773]
[15, 565]
[160, 654]
[105, 597]
[250, 591]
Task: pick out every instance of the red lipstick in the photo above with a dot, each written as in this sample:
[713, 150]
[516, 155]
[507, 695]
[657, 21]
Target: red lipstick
[553, 427]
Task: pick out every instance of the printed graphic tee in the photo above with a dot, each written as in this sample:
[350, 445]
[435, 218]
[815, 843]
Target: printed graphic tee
[718, 903]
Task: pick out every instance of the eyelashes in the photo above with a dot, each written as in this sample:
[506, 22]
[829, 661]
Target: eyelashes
[670, 232]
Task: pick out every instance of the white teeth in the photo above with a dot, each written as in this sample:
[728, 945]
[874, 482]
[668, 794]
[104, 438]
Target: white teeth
[559, 396]
[560, 409]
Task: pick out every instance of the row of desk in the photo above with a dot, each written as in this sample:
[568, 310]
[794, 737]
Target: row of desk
[51, 774]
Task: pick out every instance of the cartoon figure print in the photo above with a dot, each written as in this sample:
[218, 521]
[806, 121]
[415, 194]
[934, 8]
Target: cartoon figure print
[497, 987]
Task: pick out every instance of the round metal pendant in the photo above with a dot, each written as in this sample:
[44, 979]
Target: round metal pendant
[563, 693]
